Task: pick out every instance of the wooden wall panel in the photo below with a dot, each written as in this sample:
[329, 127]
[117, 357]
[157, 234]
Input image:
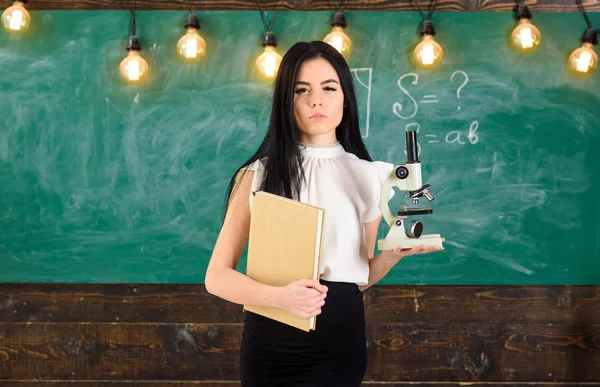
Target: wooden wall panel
[397, 352]
[114, 303]
[432, 335]
[191, 303]
[309, 5]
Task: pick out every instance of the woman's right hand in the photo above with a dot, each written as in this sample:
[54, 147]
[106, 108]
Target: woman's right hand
[303, 298]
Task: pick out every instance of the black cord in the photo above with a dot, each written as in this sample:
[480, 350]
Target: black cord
[585, 15]
[344, 6]
[268, 26]
[133, 26]
[430, 11]
[188, 6]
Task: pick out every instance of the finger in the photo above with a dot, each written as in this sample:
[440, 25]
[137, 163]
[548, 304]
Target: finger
[420, 249]
[312, 284]
[401, 250]
[319, 297]
[306, 283]
[311, 311]
[317, 285]
[318, 304]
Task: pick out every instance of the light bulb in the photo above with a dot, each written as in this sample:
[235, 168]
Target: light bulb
[191, 46]
[16, 18]
[337, 37]
[133, 68]
[525, 36]
[268, 62]
[428, 53]
[339, 40]
[584, 60]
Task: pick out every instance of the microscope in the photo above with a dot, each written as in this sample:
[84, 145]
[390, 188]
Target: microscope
[407, 177]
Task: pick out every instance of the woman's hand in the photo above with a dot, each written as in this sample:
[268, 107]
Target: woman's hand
[421, 249]
[303, 298]
[399, 252]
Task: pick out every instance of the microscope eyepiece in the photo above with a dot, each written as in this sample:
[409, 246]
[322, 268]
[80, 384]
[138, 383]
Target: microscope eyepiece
[412, 147]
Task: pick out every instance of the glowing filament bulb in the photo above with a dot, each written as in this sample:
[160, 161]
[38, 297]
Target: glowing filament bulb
[16, 18]
[584, 60]
[268, 62]
[339, 40]
[525, 36]
[192, 46]
[133, 68]
[428, 53]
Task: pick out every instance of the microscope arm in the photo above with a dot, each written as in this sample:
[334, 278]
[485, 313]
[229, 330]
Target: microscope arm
[390, 182]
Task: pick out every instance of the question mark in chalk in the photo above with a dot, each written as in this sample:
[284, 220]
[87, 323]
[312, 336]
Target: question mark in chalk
[463, 84]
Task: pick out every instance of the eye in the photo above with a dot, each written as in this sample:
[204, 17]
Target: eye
[327, 88]
[301, 91]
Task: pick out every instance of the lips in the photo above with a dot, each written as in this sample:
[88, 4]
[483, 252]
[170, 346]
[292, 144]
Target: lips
[318, 116]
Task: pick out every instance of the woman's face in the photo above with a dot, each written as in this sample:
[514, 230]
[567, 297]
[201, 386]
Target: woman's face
[318, 102]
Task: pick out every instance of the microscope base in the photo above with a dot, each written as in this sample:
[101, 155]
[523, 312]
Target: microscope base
[390, 243]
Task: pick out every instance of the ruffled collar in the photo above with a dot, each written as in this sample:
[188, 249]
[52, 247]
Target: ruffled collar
[322, 153]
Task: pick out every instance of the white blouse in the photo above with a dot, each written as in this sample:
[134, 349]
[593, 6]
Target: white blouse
[348, 188]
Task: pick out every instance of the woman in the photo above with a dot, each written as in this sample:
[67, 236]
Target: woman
[312, 152]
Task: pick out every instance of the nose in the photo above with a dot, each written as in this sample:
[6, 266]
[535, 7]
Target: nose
[315, 101]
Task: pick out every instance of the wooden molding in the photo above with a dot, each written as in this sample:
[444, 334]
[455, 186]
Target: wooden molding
[308, 5]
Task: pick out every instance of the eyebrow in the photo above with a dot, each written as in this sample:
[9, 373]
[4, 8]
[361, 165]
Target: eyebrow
[322, 83]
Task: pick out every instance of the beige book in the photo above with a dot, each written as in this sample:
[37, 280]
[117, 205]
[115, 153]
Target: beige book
[284, 246]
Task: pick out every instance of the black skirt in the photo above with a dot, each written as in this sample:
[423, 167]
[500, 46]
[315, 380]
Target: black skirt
[335, 354]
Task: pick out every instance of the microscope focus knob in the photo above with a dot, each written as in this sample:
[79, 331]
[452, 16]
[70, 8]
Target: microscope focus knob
[402, 172]
[415, 229]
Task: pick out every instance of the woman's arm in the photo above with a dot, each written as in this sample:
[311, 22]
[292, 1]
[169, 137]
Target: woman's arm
[381, 264]
[302, 298]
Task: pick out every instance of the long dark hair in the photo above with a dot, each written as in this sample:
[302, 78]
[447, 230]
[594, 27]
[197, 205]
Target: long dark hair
[284, 173]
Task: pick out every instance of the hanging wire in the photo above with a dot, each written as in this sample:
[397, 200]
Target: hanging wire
[585, 15]
[133, 24]
[188, 6]
[268, 26]
[430, 11]
[342, 6]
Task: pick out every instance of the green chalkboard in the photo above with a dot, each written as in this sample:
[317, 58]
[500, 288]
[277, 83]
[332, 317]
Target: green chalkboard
[106, 182]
